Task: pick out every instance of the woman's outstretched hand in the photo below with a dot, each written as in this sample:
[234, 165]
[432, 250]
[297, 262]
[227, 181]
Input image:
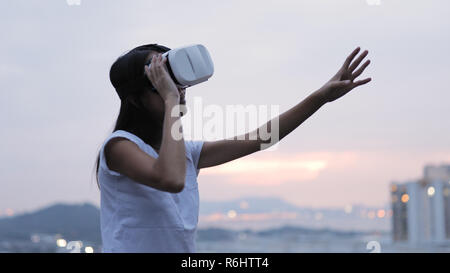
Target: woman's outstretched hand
[344, 80]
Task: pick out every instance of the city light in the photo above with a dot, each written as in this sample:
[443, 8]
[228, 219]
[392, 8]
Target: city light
[232, 214]
[405, 198]
[431, 191]
[446, 192]
[394, 188]
[394, 198]
[381, 213]
[89, 249]
[61, 243]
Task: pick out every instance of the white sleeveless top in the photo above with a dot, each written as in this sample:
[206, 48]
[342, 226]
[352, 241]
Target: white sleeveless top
[139, 218]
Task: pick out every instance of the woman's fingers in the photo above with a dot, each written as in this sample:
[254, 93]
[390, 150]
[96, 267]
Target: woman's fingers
[147, 71]
[153, 65]
[161, 64]
[159, 59]
[350, 57]
[157, 64]
[360, 70]
[361, 82]
[356, 63]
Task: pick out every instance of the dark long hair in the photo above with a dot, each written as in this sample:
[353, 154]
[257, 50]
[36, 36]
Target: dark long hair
[128, 78]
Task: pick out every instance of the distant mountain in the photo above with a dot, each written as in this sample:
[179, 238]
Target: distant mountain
[264, 205]
[248, 205]
[73, 222]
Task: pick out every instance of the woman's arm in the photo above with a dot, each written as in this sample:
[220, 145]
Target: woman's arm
[171, 161]
[218, 152]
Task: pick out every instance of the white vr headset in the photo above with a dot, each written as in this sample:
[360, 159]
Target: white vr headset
[189, 65]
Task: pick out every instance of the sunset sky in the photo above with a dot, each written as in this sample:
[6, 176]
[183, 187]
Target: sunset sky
[57, 104]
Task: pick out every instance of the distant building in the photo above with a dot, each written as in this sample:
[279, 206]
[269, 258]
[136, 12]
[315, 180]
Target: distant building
[421, 208]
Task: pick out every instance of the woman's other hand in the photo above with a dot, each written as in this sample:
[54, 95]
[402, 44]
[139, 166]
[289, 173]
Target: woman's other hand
[344, 80]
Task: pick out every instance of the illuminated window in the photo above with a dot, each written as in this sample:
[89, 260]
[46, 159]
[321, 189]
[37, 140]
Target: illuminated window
[381, 213]
[405, 198]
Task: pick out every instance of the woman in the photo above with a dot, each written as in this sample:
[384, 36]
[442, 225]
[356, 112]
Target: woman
[148, 176]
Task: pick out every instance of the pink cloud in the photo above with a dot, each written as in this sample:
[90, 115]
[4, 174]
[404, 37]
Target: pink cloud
[276, 168]
[318, 179]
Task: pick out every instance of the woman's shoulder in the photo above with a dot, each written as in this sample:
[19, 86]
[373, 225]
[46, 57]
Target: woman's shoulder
[125, 134]
[122, 134]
